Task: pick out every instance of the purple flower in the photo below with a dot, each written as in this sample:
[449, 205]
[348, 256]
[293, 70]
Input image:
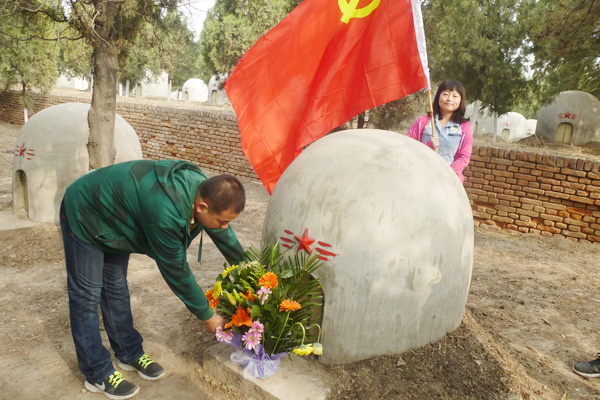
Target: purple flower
[263, 294]
[224, 336]
[251, 339]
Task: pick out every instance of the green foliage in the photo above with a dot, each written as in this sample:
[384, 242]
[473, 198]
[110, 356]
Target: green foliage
[396, 114]
[565, 44]
[149, 36]
[165, 45]
[478, 43]
[513, 55]
[26, 59]
[232, 27]
[75, 58]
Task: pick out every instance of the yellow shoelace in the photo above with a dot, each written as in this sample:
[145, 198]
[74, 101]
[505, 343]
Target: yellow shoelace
[145, 360]
[116, 378]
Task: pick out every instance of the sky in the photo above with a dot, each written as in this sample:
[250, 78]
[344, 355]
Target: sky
[196, 13]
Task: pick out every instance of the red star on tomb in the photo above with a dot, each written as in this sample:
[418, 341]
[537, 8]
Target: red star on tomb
[22, 150]
[567, 115]
[305, 241]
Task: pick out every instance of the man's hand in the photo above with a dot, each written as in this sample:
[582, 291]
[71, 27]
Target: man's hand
[214, 322]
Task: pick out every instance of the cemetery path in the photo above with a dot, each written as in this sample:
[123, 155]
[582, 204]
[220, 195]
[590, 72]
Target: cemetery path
[531, 313]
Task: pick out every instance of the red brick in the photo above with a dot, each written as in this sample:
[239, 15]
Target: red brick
[557, 195]
[508, 197]
[502, 173]
[528, 213]
[547, 168]
[571, 221]
[573, 172]
[573, 185]
[502, 219]
[554, 206]
[582, 211]
[525, 164]
[584, 200]
[577, 235]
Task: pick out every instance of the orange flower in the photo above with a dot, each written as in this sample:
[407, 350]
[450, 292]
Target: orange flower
[269, 280]
[289, 305]
[212, 302]
[241, 317]
[249, 295]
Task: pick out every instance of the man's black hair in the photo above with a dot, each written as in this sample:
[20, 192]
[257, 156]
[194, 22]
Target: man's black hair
[222, 192]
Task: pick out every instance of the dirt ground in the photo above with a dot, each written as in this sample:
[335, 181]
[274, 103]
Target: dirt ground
[531, 313]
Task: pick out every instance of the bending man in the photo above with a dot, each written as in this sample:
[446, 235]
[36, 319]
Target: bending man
[150, 207]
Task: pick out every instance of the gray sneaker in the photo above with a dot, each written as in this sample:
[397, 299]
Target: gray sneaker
[588, 369]
[145, 367]
[114, 387]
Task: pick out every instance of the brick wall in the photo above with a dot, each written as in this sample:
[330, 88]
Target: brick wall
[508, 189]
[11, 108]
[207, 138]
[210, 139]
[533, 192]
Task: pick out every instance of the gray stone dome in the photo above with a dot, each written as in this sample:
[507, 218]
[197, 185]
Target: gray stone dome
[51, 153]
[194, 90]
[512, 126]
[573, 117]
[400, 226]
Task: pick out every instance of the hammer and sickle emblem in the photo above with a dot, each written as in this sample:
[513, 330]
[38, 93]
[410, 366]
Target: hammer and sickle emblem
[349, 9]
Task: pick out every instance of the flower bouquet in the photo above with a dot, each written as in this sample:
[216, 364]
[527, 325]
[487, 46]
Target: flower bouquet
[268, 301]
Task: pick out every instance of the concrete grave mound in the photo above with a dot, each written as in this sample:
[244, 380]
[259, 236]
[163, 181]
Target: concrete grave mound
[51, 153]
[194, 90]
[512, 127]
[395, 224]
[572, 117]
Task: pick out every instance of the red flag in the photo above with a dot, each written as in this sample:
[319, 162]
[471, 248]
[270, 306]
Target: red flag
[324, 63]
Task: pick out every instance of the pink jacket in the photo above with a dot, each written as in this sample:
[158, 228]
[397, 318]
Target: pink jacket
[465, 146]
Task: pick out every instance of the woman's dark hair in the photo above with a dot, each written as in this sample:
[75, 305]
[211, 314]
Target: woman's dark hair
[459, 115]
[222, 192]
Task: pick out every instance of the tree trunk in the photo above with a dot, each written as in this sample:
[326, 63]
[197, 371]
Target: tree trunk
[361, 121]
[25, 113]
[495, 126]
[101, 118]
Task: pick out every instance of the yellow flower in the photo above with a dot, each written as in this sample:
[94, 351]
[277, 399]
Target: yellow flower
[217, 290]
[317, 349]
[231, 299]
[303, 350]
[228, 270]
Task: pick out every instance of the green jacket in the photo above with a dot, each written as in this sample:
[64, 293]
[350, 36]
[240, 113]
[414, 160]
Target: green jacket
[146, 207]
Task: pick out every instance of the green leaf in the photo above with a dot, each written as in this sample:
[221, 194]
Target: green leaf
[255, 311]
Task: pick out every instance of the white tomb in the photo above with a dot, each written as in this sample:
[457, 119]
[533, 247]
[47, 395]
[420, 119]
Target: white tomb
[51, 153]
[400, 225]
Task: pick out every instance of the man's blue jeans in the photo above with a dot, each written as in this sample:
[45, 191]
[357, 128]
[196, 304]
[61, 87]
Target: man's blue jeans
[96, 278]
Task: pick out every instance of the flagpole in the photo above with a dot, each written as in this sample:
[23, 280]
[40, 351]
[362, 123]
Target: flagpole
[431, 117]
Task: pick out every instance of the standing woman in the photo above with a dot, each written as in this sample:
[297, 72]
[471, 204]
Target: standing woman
[453, 134]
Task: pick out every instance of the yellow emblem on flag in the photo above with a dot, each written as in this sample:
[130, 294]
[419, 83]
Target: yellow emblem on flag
[349, 9]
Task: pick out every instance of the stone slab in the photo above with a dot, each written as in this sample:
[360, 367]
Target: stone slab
[10, 224]
[298, 379]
